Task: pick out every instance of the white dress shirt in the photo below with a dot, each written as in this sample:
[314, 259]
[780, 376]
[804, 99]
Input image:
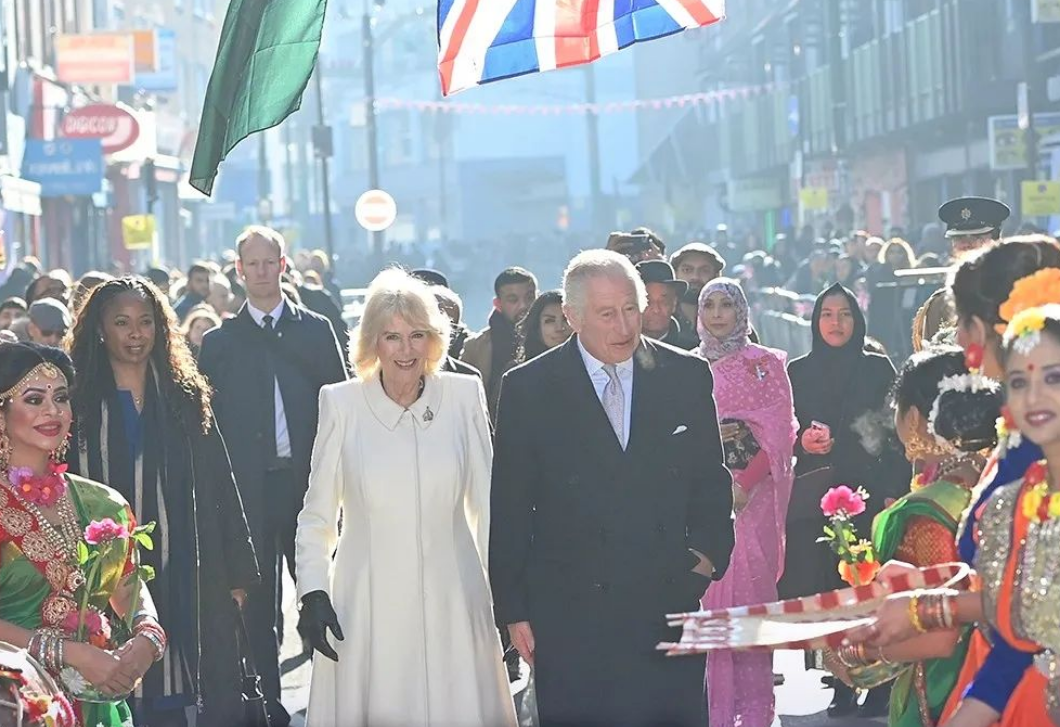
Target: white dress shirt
[600, 378]
[283, 438]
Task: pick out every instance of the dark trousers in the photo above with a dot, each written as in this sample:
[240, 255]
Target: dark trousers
[146, 717]
[273, 544]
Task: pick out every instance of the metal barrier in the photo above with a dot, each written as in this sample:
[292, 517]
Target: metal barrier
[785, 331]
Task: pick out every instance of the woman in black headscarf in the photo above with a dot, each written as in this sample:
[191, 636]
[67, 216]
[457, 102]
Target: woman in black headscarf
[846, 436]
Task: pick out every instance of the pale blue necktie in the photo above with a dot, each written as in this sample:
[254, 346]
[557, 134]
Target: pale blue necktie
[615, 403]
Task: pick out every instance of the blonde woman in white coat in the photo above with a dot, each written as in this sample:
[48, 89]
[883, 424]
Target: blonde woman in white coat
[404, 453]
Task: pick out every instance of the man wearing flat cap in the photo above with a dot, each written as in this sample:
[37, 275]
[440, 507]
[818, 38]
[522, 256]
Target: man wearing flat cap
[664, 293]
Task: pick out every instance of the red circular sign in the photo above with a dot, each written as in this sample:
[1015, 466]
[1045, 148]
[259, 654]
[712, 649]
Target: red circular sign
[115, 127]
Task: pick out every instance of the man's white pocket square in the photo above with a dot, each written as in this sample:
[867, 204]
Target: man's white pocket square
[680, 430]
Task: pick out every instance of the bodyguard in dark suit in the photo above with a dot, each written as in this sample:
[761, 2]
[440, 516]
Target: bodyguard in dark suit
[611, 507]
[267, 366]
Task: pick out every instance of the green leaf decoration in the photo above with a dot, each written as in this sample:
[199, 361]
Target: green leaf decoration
[147, 573]
[82, 552]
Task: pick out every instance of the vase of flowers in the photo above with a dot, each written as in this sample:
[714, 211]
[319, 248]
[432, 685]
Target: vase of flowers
[858, 565]
[101, 627]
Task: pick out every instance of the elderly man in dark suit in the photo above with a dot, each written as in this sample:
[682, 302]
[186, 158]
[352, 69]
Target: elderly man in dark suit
[267, 366]
[611, 507]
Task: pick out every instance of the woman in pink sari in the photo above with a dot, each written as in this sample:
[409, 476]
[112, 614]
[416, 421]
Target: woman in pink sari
[753, 396]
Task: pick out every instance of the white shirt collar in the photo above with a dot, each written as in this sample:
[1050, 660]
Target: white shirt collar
[259, 315]
[594, 365]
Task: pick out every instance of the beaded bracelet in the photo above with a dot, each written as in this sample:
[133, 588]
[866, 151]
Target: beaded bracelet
[154, 633]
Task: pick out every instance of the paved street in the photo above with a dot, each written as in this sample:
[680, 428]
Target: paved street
[801, 700]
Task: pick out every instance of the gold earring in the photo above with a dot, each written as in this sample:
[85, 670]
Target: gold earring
[59, 455]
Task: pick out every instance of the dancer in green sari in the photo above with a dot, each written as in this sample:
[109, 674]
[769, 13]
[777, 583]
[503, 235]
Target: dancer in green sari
[60, 536]
[943, 425]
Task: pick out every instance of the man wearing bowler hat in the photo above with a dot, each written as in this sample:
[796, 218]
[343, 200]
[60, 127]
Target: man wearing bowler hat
[664, 293]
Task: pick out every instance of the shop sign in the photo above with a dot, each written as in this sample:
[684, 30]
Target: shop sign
[756, 194]
[65, 167]
[1045, 11]
[1040, 199]
[138, 231]
[115, 127]
[814, 199]
[91, 59]
[1008, 143]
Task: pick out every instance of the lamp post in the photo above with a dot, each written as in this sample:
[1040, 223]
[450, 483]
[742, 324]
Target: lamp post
[372, 140]
[322, 145]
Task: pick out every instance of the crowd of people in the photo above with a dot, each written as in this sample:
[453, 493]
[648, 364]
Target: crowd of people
[543, 491]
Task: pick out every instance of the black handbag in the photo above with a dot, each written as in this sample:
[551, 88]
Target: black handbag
[254, 712]
[740, 451]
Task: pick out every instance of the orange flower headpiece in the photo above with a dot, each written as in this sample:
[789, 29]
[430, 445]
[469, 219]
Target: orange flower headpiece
[1040, 288]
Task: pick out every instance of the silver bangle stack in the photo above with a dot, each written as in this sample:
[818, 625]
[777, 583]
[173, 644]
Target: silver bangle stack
[48, 647]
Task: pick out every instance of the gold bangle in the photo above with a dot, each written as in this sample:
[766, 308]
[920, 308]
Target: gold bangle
[914, 614]
[881, 658]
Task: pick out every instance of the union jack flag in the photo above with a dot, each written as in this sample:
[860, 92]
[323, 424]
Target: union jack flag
[480, 41]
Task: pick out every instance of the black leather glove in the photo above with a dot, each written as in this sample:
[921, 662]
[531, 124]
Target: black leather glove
[315, 617]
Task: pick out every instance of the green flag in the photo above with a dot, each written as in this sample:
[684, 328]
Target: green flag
[264, 60]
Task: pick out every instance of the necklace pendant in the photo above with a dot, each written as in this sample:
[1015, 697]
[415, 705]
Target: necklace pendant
[428, 415]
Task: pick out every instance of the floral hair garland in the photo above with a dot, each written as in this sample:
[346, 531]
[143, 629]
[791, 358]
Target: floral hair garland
[1033, 291]
[972, 382]
[1024, 333]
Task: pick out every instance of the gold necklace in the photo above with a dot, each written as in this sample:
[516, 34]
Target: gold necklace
[63, 539]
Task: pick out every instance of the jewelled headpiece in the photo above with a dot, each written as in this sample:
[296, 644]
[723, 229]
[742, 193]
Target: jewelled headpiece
[44, 369]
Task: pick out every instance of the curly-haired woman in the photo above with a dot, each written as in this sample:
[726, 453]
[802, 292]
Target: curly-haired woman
[145, 426]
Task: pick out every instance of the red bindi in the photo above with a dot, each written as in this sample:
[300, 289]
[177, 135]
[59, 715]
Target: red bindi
[1030, 367]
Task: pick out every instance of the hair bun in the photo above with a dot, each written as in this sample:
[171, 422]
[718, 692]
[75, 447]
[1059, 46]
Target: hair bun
[967, 419]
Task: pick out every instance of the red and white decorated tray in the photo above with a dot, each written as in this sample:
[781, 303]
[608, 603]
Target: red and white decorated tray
[814, 622]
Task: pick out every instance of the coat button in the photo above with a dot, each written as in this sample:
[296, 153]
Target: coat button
[669, 580]
[660, 528]
[602, 587]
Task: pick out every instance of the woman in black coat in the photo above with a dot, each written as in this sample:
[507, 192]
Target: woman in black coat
[844, 388]
[839, 385]
[145, 426]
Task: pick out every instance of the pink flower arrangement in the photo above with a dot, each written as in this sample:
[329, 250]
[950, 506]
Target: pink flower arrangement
[857, 557]
[843, 502]
[104, 531]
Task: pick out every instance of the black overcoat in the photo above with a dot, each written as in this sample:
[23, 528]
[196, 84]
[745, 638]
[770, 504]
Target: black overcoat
[241, 361]
[590, 543]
